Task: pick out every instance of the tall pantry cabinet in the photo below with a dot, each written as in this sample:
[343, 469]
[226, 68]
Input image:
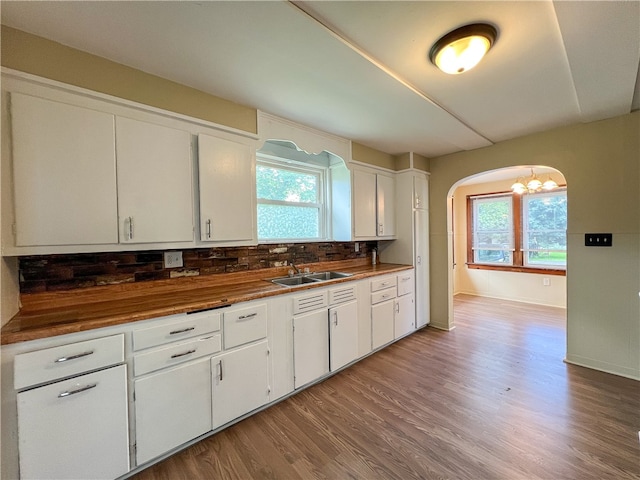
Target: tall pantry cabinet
[412, 243]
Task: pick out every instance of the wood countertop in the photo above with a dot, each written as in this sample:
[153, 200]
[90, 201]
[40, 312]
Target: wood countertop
[58, 313]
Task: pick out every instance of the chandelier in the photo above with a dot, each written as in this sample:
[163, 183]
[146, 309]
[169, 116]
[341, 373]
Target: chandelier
[533, 184]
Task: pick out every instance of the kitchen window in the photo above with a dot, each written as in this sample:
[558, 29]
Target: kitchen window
[290, 198]
[524, 233]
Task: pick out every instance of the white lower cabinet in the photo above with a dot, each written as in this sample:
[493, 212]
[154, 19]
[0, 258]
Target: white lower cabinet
[343, 334]
[240, 382]
[172, 407]
[405, 317]
[310, 347]
[75, 429]
[382, 329]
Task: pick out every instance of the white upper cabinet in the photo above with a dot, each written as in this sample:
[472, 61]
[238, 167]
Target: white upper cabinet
[386, 199]
[64, 169]
[373, 205]
[420, 192]
[154, 182]
[226, 172]
[364, 204]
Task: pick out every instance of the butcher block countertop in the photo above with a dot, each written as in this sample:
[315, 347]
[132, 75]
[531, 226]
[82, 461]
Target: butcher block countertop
[58, 313]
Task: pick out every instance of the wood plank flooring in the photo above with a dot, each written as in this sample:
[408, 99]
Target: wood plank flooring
[491, 399]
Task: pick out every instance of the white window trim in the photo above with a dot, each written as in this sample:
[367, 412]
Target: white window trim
[322, 203]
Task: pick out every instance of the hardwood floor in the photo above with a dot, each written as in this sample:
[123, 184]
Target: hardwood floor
[491, 399]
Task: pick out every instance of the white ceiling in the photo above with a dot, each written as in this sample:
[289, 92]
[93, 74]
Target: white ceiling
[359, 69]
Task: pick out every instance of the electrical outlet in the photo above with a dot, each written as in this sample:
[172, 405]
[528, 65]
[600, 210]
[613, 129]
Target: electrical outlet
[357, 246]
[172, 259]
[546, 282]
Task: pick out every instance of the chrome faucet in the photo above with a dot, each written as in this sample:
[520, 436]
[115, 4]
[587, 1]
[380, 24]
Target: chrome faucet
[295, 268]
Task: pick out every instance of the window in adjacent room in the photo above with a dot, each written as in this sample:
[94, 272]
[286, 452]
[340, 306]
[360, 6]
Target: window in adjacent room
[525, 233]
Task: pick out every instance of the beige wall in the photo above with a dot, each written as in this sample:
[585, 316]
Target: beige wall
[38, 56]
[601, 163]
[520, 287]
[421, 163]
[362, 153]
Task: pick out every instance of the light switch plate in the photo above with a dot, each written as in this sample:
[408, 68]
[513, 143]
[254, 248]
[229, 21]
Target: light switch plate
[172, 259]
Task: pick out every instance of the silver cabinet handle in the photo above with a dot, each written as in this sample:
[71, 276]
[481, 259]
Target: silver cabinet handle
[404, 279]
[77, 390]
[176, 332]
[335, 316]
[397, 308]
[188, 352]
[73, 357]
[384, 284]
[208, 228]
[380, 229]
[420, 260]
[386, 295]
[245, 317]
[220, 367]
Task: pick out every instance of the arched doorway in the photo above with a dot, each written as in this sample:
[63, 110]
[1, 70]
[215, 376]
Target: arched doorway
[525, 273]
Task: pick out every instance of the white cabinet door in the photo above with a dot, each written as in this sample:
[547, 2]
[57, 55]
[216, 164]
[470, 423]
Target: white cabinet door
[227, 190]
[76, 428]
[405, 318]
[240, 382]
[421, 262]
[386, 199]
[382, 331]
[310, 347]
[343, 334]
[64, 169]
[155, 202]
[364, 204]
[171, 408]
[420, 193]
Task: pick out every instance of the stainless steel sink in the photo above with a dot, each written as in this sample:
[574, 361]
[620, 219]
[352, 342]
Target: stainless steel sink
[308, 278]
[323, 276]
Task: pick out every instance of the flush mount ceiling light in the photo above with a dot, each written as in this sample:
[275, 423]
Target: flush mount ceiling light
[462, 49]
[533, 184]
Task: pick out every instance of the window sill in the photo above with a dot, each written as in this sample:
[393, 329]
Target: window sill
[511, 268]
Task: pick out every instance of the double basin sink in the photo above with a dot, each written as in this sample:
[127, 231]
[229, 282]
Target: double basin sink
[305, 278]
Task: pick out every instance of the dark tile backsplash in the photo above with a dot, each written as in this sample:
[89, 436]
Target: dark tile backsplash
[70, 271]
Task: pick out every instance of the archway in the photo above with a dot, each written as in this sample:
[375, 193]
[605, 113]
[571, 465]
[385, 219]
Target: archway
[524, 283]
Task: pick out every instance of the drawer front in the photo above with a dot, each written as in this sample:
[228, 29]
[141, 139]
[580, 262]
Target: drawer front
[343, 294]
[175, 354]
[50, 364]
[382, 283]
[185, 326]
[244, 325]
[315, 301]
[405, 283]
[383, 295]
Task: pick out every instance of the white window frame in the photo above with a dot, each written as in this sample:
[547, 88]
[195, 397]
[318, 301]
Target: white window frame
[321, 203]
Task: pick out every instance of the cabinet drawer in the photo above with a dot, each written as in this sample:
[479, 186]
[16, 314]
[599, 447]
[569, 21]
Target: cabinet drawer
[343, 294]
[307, 303]
[382, 283]
[405, 283]
[175, 354]
[185, 326]
[244, 325]
[50, 364]
[383, 295]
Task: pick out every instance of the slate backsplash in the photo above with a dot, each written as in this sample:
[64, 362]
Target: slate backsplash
[70, 271]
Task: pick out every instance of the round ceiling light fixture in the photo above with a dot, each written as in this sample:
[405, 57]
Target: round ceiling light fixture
[461, 49]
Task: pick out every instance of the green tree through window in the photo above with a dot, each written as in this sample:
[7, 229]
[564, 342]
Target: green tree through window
[290, 201]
